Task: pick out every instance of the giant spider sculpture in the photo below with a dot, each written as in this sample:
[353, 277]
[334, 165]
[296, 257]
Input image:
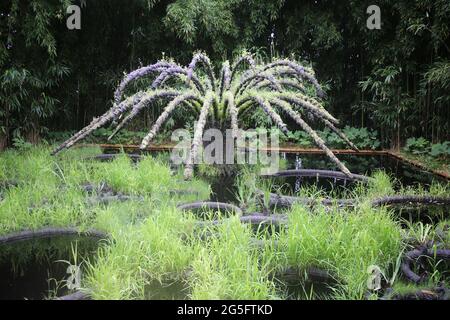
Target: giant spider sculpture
[279, 87]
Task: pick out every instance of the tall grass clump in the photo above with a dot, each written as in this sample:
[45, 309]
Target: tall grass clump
[151, 177]
[49, 191]
[228, 266]
[139, 255]
[31, 165]
[37, 205]
[343, 243]
[381, 184]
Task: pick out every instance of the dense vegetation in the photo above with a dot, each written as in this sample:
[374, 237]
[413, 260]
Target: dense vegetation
[155, 245]
[394, 80]
[291, 63]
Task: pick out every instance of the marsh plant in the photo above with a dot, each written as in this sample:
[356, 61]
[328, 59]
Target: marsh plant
[152, 243]
[282, 87]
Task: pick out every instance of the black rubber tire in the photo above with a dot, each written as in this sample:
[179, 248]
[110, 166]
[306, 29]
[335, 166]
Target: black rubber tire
[412, 255]
[257, 219]
[50, 232]
[253, 219]
[417, 200]
[276, 200]
[288, 201]
[105, 200]
[314, 173]
[314, 274]
[78, 295]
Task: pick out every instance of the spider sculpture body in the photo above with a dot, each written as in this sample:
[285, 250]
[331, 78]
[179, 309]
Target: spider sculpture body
[278, 88]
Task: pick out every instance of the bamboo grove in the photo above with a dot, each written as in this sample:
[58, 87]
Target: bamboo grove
[394, 80]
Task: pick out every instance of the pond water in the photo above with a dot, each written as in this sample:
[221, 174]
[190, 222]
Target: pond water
[36, 269]
[167, 290]
[224, 190]
[405, 173]
[292, 284]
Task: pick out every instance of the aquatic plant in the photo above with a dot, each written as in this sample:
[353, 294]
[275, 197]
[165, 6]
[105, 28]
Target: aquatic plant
[49, 191]
[151, 241]
[343, 242]
[282, 87]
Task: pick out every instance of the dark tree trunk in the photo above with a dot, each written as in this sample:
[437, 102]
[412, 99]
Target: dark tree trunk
[33, 136]
[3, 141]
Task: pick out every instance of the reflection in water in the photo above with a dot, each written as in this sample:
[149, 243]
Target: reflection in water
[167, 290]
[36, 269]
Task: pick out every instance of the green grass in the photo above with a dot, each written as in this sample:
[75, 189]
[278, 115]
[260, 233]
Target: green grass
[49, 189]
[229, 267]
[154, 246]
[139, 255]
[344, 243]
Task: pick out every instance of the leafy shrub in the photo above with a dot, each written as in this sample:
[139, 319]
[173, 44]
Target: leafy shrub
[422, 147]
[440, 149]
[301, 138]
[20, 144]
[363, 138]
[418, 146]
